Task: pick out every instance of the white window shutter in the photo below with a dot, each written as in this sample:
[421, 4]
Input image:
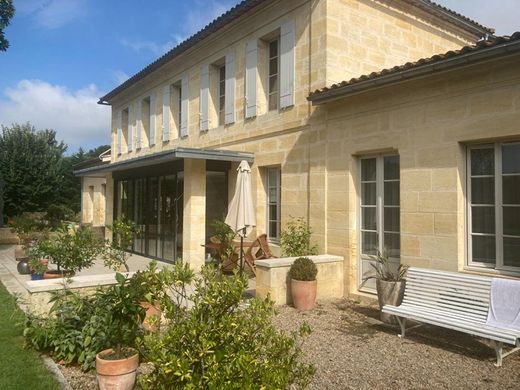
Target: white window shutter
[152, 119]
[166, 113]
[119, 129]
[204, 98]
[287, 65]
[251, 70]
[130, 130]
[184, 106]
[230, 89]
[139, 123]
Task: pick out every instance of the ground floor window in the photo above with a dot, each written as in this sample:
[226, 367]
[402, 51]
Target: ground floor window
[379, 212]
[274, 183]
[493, 194]
[155, 204]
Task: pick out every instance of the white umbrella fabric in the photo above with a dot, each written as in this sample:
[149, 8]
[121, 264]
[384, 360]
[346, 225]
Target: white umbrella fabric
[241, 214]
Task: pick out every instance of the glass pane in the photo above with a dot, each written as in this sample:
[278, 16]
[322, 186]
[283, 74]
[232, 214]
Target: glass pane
[273, 84]
[273, 49]
[483, 249]
[272, 195]
[368, 194]
[369, 243]
[483, 220]
[511, 221]
[483, 190]
[273, 66]
[512, 252]
[273, 229]
[511, 189]
[391, 167]
[273, 101]
[482, 162]
[368, 169]
[392, 221]
[393, 244]
[511, 158]
[369, 218]
[391, 193]
[273, 212]
[273, 177]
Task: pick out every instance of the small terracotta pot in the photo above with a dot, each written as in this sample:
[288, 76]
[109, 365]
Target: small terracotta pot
[55, 274]
[303, 294]
[153, 315]
[116, 374]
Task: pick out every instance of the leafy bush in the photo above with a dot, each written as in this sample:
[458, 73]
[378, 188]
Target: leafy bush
[295, 239]
[56, 214]
[78, 327]
[221, 343]
[29, 230]
[303, 268]
[123, 234]
[225, 236]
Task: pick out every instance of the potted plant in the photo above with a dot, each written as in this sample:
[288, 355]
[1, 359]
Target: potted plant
[116, 367]
[29, 232]
[303, 273]
[38, 267]
[390, 283]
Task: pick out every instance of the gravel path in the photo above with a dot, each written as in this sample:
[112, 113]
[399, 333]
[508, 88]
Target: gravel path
[352, 349]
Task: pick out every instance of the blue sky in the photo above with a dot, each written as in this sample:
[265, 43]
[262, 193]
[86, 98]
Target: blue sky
[65, 54]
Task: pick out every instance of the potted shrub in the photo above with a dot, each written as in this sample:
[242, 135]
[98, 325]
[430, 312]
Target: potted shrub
[29, 232]
[116, 367]
[303, 283]
[390, 283]
[38, 267]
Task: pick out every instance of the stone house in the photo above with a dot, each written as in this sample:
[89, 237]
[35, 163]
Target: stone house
[416, 153]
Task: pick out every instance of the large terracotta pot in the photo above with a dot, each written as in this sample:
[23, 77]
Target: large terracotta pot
[153, 315]
[116, 374]
[389, 293]
[303, 294]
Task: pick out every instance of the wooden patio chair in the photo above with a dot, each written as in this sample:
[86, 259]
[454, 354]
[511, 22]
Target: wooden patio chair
[257, 250]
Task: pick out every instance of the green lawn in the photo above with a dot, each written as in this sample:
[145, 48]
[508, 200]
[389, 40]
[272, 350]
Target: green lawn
[19, 368]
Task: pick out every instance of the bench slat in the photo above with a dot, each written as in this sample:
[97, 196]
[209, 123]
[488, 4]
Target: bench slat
[431, 283]
[449, 274]
[425, 310]
[440, 296]
[448, 309]
[414, 289]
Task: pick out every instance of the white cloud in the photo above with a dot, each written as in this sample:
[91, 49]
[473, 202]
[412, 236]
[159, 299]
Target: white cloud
[52, 14]
[120, 77]
[155, 48]
[75, 115]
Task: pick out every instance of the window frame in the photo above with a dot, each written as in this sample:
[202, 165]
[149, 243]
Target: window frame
[278, 203]
[221, 94]
[277, 74]
[498, 208]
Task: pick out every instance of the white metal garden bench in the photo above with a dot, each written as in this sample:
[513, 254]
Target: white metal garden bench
[455, 301]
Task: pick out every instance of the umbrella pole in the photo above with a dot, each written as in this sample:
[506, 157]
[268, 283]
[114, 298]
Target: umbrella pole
[241, 254]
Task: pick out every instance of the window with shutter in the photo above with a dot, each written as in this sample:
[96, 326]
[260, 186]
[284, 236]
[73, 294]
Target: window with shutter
[287, 65]
[152, 119]
[166, 113]
[204, 98]
[229, 88]
[250, 78]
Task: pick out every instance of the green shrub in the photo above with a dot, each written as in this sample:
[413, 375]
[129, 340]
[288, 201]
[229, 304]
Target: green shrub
[29, 230]
[303, 268]
[221, 343]
[295, 239]
[56, 214]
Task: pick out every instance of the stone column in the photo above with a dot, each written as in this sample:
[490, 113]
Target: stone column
[194, 223]
[109, 205]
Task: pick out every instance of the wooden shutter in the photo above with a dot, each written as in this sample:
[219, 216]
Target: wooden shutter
[204, 98]
[152, 119]
[166, 113]
[230, 89]
[251, 70]
[139, 123]
[184, 106]
[287, 65]
[119, 129]
[130, 130]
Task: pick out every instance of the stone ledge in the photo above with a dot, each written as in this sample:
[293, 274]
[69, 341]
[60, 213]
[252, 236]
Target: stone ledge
[35, 286]
[287, 261]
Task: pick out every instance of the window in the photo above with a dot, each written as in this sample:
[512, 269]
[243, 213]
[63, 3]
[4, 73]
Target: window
[494, 205]
[126, 128]
[273, 74]
[273, 203]
[145, 123]
[221, 95]
[179, 107]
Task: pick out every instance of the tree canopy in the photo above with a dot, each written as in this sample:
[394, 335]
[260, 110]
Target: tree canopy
[6, 14]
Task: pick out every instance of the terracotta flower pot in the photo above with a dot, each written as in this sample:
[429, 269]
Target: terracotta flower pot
[55, 274]
[153, 315]
[303, 294]
[389, 293]
[116, 374]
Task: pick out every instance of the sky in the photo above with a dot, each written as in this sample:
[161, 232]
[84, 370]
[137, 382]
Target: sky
[65, 54]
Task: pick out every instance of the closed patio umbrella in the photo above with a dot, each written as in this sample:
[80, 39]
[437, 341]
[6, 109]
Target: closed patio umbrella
[241, 214]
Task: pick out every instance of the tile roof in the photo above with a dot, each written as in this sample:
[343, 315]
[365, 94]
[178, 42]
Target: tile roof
[246, 5]
[492, 46]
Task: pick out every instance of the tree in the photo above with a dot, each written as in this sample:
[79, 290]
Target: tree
[6, 13]
[31, 167]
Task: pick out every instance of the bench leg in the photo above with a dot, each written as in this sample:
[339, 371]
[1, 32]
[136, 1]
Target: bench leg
[498, 351]
[402, 324]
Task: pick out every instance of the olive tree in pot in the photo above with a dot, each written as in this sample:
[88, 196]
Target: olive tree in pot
[303, 283]
[390, 283]
[116, 367]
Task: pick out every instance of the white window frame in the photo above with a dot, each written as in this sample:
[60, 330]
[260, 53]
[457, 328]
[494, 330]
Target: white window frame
[277, 202]
[380, 218]
[277, 40]
[499, 220]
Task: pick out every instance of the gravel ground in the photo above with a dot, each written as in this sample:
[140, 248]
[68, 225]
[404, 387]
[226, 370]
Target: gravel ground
[352, 349]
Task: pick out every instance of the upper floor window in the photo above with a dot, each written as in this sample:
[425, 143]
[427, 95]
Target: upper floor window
[494, 205]
[273, 72]
[221, 95]
[273, 203]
